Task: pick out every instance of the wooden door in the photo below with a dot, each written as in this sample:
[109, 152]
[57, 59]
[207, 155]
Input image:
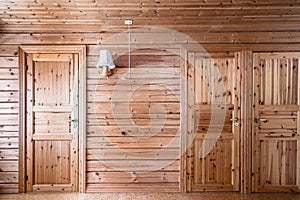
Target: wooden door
[276, 149]
[51, 122]
[213, 123]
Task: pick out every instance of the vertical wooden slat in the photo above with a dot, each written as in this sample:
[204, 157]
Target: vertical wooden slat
[298, 129]
[236, 98]
[22, 127]
[74, 100]
[29, 121]
[245, 65]
[183, 118]
[82, 119]
[191, 116]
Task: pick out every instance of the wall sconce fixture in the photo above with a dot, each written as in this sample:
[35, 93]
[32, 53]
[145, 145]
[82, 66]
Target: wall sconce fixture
[106, 63]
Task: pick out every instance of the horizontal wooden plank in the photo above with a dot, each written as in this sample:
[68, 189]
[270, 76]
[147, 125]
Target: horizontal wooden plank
[8, 51]
[132, 177]
[278, 136]
[9, 62]
[134, 96]
[9, 97]
[221, 136]
[9, 119]
[52, 136]
[9, 128]
[9, 134]
[62, 118]
[136, 107]
[9, 108]
[52, 128]
[136, 187]
[9, 188]
[278, 131]
[9, 154]
[154, 122]
[52, 187]
[277, 115]
[133, 142]
[115, 131]
[156, 72]
[159, 84]
[9, 166]
[9, 73]
[99, 154]
[212, 187]
[9, 142]
[97, 26]
[121, 58]
[216, 129]
[54, 109]
[9, 85]
[132, 165]
[8, 177]
[284, 108]
[119, 51]
[154, 115]
[279, 55]
[133, 84]
[278, 124]
[153, 37]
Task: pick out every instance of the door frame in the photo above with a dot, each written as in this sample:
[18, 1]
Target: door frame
[71, 49]
[243, 87]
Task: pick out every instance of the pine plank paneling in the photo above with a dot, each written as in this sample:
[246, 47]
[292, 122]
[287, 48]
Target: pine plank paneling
[9, 110]
[276, 122]
[134, 123]
[218, 25]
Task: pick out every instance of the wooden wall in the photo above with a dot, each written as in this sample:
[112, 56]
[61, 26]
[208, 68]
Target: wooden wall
[9, 124]
[218, 25]
[133, 125]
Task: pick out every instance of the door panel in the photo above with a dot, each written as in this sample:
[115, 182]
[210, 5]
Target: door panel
[213, 129]
[51, 122]
[276, 122]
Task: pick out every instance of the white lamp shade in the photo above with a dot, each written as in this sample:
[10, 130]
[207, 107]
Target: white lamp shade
[105, 59]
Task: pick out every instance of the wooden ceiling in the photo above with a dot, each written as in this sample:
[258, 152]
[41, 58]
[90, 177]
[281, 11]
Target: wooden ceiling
[182, 15]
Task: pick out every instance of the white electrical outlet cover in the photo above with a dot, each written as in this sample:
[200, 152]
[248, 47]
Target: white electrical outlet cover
[128, 22]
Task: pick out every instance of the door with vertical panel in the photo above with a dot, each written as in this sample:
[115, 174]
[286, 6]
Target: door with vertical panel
[276, 144]
[51, 122]
[213, 123]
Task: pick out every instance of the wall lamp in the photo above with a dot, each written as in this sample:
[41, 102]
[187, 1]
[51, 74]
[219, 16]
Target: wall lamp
[105, 62]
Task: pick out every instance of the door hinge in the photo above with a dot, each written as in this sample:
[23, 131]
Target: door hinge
[26, 67]
[26, 178]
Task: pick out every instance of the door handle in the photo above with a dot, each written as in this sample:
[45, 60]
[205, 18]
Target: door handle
[234, 120]
[74, 122]
[263, 120]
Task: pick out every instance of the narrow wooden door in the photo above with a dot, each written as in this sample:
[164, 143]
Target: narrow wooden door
[276, 144]
[51, 122]
[213, 123]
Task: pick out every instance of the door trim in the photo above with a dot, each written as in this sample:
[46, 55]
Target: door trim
[186, 167]
[74, 49]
